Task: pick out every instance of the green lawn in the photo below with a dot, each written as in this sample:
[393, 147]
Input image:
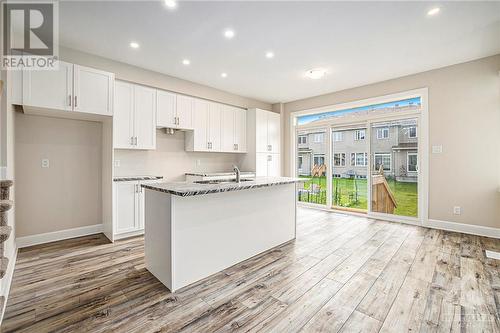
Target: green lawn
[345, 194]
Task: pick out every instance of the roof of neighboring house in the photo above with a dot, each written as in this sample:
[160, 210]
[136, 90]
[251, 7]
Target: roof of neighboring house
[305, 150]
[406, 145]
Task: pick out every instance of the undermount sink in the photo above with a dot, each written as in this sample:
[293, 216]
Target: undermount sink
[220, 181]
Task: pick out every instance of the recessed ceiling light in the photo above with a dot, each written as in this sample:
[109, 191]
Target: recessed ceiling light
[134, 45]
[186, 62]
[433, 11]
[223, 74]
[269, 54]
[171, 4]
[315, 74]
[228, 33]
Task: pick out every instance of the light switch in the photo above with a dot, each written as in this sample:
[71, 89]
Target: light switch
[45, 163]
[117, 163]
[198, 162]
[457, 210]
[437, 149]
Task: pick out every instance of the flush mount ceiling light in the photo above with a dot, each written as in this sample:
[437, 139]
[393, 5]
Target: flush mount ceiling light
[229, 33]
[433, 11]
[269, 54]
[223, 75]
[171, 4]
[186, 62]
[134, 45]
[315, 74]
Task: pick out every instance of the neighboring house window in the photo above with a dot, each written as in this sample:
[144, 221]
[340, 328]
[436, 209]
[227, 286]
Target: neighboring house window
[412, 162]
[412, 132]
[338, 136]
[302, 139]
[359, 159]
[339, 159]
[359, 134]
[319, 159]
[383, 159]
[299, 162]
[318, 137]
[382, 133]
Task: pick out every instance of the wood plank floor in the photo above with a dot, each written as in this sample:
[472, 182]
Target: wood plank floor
[341, 274]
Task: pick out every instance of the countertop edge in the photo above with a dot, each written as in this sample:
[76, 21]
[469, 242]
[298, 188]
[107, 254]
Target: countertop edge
[219, 190]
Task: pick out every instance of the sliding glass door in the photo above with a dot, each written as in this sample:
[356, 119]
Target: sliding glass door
[394, 167]
[350, 169]
[312, 165]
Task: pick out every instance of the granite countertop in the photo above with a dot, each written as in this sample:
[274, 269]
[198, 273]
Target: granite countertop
[132, 178]
[185, 189]
[217, 174]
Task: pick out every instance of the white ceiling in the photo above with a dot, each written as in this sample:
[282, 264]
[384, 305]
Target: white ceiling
[357, 42]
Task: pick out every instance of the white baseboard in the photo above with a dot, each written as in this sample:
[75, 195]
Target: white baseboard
[58, 235]
[463, 228]
[7, 280]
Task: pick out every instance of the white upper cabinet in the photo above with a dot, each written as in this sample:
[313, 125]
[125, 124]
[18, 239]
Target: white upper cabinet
[166, 114]
[93, 90]
[49, 89]
[145, 117]
[174, 111]
[227, 129]
[197, 140]
[214, 126]
[134, 121]
[273, 132]
[70, 88]
[123, 118]
[233, 129]
[240, 130]
[184, 112]
[267, 131]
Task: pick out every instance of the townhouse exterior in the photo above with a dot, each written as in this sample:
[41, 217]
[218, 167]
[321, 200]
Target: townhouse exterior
[393, 146]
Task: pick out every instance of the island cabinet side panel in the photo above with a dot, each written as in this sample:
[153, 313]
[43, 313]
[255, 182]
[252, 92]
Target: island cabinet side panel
[158, 235]
[215, 231]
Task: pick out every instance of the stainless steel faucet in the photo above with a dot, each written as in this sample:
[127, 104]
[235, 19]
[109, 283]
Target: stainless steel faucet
[238, 174]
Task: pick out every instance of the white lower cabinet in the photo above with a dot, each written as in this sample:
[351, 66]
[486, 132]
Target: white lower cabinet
[267, 165]
[126, 207]
[129, 208]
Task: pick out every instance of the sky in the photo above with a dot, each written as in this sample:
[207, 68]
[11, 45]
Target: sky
[314, 117]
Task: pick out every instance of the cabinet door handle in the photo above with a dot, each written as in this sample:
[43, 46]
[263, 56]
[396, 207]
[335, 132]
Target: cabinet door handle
[269, 158]
[208, 145]
[70, 98]
[178, 121]
[136, 141]
[131, 140]
[76, 101]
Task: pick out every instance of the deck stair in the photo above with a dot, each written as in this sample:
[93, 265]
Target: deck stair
[5, 229]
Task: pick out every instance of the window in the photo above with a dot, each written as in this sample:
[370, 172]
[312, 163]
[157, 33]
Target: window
[412, 162]
[412, 132]
[339, 159]
[299, 162]
[319, 159]
[383, 159]
[338, 136]
[359, 159]
[302, 139]
[359, 134]
[382, 133]
[318, 137]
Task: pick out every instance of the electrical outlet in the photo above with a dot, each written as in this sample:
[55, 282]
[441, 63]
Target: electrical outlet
[437, 149]
[45, 163]
[117, 163]
[457, 210]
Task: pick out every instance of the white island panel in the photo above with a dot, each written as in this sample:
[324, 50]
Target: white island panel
[204, 234]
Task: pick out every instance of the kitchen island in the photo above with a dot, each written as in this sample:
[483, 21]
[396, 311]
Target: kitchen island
[193, 230]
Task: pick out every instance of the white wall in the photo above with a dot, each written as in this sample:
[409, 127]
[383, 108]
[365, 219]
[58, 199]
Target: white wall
[170, 160]
[464, 117]
[67, 194]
